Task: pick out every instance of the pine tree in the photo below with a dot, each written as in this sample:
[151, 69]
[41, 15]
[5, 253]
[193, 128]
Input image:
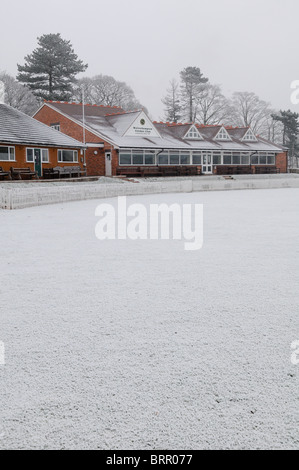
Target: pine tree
[192, 81]
[50, 71]
[172, 103]
[290, 124]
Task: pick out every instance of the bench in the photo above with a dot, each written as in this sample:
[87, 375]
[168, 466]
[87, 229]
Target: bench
[151, 171]
[128, 171]
[66, 171]
[4, 174]
[266, 169]
[23, 173]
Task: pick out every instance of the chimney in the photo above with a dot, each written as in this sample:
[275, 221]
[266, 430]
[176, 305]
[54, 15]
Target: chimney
[2, 91]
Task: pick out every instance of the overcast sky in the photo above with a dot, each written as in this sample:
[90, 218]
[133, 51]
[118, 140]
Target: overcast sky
[247, 45]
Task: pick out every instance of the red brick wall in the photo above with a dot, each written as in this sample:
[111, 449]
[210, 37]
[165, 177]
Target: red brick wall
[282, 162]
[20, 157]
[95, 164]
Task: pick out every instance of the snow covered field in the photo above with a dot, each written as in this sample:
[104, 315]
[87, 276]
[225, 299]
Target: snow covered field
[142, 345]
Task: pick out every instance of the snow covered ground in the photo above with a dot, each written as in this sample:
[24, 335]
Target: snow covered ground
[142, 345]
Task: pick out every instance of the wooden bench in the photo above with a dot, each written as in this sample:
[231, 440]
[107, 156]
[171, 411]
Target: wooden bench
[66, 171]
[266, 169]
[151, 171]
[128, 171]
[4, 174]
[23, 173]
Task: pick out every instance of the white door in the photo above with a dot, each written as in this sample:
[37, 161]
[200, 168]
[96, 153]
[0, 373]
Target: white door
[108, 166]
[206, 163]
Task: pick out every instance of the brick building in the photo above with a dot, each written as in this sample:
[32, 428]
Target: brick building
[120, 142]
[27, 143]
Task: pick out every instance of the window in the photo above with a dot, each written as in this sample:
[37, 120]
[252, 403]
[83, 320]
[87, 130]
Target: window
[216, 158]
[263, 158]
[185, 158]
[32, 153]
[244, 158]
[249, 136]
[227, 158]
[254, 159]
[68, 156]
[55, 126]
[149, 157]
[137, 157]
[236, 158]
[193, 134]
[222, 135]
[196, 158]
[125, 158]
[7, 154]
[163, 158]
[174, 158]
[271, 159]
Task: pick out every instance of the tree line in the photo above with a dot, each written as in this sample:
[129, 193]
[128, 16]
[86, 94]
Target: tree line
[50, 73]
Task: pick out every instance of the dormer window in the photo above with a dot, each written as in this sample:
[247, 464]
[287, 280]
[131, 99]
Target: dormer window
[249, 136]
[222, 135]
[193, 134]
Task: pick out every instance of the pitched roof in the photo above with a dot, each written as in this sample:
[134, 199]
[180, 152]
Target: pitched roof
[111, 125]
[18, 128]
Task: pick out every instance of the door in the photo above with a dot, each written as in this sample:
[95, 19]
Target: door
[108, 165]
[207, 163]
[38, 162]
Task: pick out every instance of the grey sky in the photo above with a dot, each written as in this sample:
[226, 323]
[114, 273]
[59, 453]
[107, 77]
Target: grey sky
[247, 45]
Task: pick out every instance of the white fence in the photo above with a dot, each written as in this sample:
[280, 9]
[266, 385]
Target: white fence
[19, 198]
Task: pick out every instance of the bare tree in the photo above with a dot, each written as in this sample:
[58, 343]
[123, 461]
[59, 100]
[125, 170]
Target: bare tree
[212, 106]
[18, 96]
[172, 102]
[106, 90]
[249, 110]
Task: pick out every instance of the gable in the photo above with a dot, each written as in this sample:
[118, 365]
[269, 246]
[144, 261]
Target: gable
[222, 135]
[249, 136]
[193, 134]
[142, 126]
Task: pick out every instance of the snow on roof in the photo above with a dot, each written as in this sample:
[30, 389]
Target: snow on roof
[18, 128]
[111, 124]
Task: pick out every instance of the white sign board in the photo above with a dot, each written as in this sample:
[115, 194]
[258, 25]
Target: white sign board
[142, 127]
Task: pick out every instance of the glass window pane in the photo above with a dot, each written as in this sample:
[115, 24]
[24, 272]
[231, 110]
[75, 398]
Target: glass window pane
[263, 159]
[125, 158]
[163, 158]
[138, 157]
[216, 158]
[12, 153]
[254, 160]
[245, 159]
[149, 158]
[236, 159]
[227, 159]
[270, 159]
[196, 158]
[4, 154]
[185, 158]
[29, 155]
[174, 158]
[45, 156]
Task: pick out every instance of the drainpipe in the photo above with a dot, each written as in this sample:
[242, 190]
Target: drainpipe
[83, 119]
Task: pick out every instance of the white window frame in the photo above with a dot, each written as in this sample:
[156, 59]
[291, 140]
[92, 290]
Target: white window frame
[42, 150]
[249, 136]
[9, 147]
[75, 152]
[193, 134]
[222, 135]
